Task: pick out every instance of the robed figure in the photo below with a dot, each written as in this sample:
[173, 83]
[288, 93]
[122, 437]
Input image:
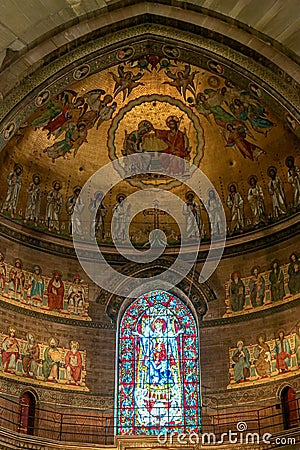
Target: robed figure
[158, 391]
[192, 212]
[177, 145]
[55, 292]
[241, 363]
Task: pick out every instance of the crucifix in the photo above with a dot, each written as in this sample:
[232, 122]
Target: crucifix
[156, 213]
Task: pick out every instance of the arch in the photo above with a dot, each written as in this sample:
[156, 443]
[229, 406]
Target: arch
[290, 409]
[158, 376]
[27, 412]
[197, 295]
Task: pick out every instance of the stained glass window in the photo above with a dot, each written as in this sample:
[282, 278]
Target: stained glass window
[159, 377]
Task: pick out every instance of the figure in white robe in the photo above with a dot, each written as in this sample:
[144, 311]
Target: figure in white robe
[74, 208]
[54, 205]
[14, 186]
[214, 209]
[275, 187]
[191, 211]
[121, 213]
[257, 201]
[33, 205]
[97, 215]
[235, 203]
[76, 297]
[294, 179]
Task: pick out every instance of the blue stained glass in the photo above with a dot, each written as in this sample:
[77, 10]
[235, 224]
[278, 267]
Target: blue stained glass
[159, 385]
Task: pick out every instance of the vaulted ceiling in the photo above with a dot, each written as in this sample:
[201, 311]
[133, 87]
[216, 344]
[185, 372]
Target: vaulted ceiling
[24, 23]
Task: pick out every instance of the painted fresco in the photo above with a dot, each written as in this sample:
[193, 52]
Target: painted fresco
[267, 360]
[155, 104]
[263, 289]
[49, 295]
[41, 363]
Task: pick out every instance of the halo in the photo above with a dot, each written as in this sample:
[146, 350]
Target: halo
[211, 190]
[271, 168]
[56, 182]
[237, 272]
[188, 193]
[240, 342]
[57, 272]
[281, 330]
[97, 193]
[232, 184]
[53, 339]
[36, 175]
[289, 158]
[120, 195]
[263, 334]
[250, 178]
[274, 261]
[172, 118]
[75, 188]
[294, 253]
[18, 166]
[31, 334]
[74, 342]
[255, 267]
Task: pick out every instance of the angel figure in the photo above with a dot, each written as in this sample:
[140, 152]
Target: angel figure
[126, 81]
[236, 137]
[100, 108]
[209, 102]
[72, 109]
[182, 80]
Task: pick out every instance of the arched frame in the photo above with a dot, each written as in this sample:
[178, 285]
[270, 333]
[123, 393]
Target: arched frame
[158, 366]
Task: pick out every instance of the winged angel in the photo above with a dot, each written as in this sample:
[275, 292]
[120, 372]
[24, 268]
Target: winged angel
[183, 81]
[126, 81]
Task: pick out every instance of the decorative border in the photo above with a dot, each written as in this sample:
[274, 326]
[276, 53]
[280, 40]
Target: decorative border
[58, 74]
[8, 229]
[148, 99]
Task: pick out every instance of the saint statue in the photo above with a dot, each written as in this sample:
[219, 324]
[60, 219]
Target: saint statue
[191, 211]
[257, 202]
[121, 212]
[277, 194]
[235, 203]
[33, 205]
[14, 186]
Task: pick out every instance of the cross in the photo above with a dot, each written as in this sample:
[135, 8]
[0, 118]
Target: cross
[156, 213]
